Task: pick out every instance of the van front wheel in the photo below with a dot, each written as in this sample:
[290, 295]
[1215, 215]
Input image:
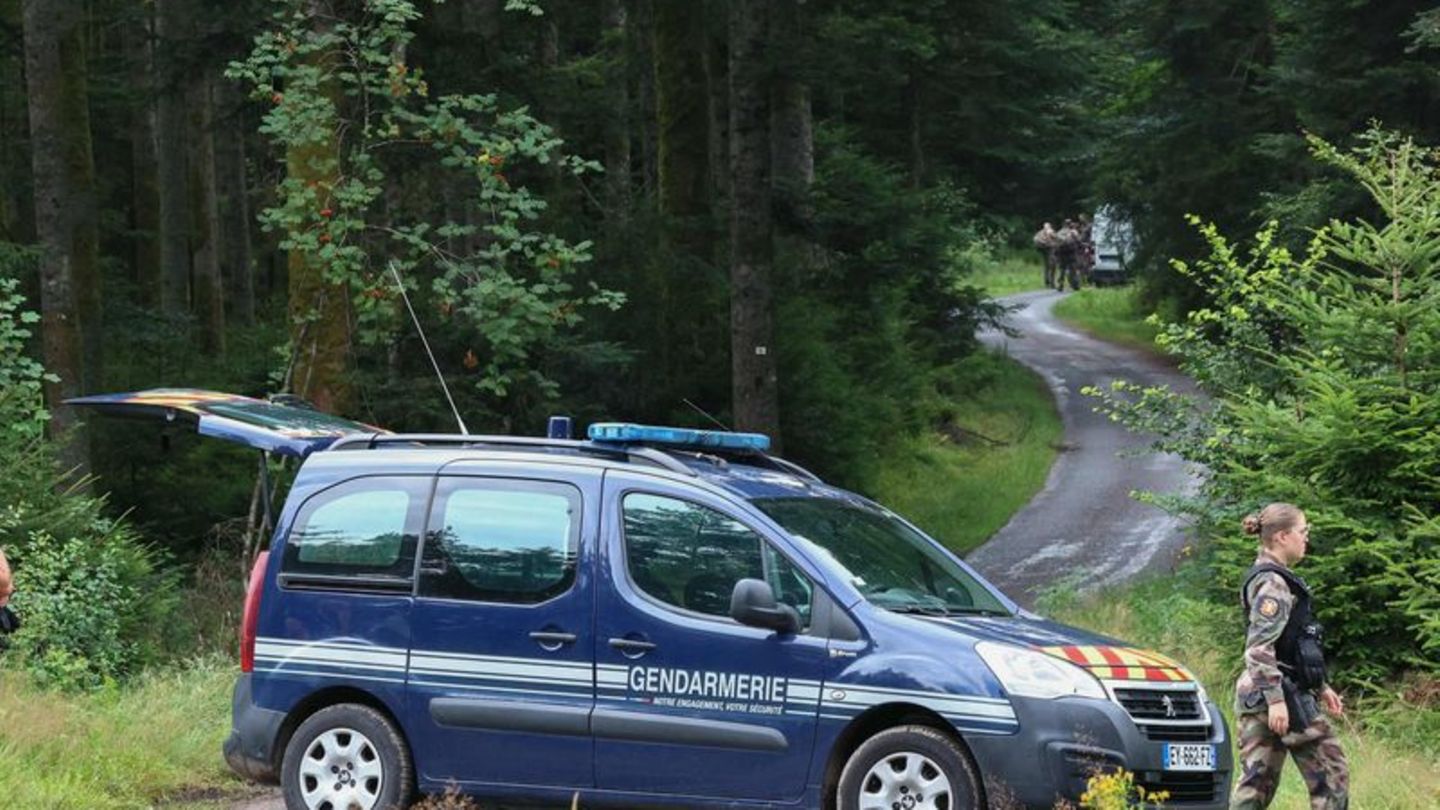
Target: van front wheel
[909, 768]
[346, 757]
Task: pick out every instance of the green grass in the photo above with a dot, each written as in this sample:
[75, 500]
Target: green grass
[962, 488]
[1390, 742]
[1109, 313]
[1011, 270]
[155, 742]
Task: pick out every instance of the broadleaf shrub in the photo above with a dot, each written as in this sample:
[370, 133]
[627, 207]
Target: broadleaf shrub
[1322, 376]
[96, 602]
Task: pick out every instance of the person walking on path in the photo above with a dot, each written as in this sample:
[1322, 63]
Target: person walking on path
[1276, 696]
[1068, 254]
[1046, 241]
[1083, 231]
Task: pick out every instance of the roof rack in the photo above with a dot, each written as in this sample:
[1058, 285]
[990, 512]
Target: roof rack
[658, 458]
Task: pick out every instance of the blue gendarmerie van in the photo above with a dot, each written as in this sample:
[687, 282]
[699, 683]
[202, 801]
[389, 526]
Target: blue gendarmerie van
[655, 617]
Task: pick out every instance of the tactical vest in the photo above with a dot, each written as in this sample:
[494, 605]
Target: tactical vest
[1300, 649]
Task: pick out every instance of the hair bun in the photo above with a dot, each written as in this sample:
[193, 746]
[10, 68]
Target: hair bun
[1251, 524]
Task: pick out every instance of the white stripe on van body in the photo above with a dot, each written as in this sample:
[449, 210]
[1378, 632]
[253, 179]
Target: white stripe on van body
[331, 643]
[532, 671]
[354, 657]
[288, 672]
[527, 673]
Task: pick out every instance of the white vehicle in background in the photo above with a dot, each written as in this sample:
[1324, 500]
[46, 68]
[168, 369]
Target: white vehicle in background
[1114, 238]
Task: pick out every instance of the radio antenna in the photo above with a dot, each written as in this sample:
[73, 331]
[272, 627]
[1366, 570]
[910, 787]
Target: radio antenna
[705, 414]
[443, 387]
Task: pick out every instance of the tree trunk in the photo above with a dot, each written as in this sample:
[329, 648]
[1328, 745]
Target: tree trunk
[753, 378]
[236, 265]
[171, 175]
[617, 117]
[209, 292]
[17, 217]
[683, 116]
[482, 17]
[717, 103]
[642, 50]
[319, 309]
[64, 205]
[144, 185]
[917, 147]
[792, 137]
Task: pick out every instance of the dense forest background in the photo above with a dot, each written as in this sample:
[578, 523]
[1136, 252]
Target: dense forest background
[671, 211]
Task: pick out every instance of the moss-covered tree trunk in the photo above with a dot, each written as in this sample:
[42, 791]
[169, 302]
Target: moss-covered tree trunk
[754, 379]
[320, 319]
[65, 212]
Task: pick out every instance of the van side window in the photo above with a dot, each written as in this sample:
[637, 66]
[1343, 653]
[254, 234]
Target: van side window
[498, 540]
[691, 556]
[363, 527]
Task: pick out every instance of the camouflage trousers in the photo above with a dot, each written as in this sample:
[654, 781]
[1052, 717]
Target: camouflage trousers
[1316, 752]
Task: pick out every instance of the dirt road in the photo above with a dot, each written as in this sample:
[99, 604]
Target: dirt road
[1084, 524]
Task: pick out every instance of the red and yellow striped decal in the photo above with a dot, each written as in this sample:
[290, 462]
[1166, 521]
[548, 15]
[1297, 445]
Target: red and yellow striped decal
[1122, 663]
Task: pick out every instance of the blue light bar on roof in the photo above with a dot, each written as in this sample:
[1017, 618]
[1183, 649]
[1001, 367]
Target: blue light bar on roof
[628, 433]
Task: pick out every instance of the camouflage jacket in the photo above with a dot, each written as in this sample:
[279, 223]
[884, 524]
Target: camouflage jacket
[1270, 603]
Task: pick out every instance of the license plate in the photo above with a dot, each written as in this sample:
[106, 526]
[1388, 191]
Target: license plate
[1189, 757]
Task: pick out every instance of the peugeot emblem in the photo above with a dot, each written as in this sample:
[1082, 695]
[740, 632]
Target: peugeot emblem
[1169, 705]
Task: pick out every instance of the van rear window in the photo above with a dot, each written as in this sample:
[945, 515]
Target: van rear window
[364, 527]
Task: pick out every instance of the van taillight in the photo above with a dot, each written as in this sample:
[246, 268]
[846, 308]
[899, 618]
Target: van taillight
[252, 612]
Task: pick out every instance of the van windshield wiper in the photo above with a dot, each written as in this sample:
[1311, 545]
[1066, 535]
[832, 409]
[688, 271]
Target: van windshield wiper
[975, 611]
[921, 610]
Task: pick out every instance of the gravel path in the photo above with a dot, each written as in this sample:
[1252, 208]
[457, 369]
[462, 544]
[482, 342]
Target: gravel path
[1084, 524]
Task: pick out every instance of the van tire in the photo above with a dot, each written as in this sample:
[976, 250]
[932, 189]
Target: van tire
[379, 743]
[932, 753]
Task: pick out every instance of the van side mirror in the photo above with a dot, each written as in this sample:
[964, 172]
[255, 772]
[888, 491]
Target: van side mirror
[753, 603]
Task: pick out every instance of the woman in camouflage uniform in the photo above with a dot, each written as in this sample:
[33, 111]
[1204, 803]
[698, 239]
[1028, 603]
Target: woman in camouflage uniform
[1276, 697]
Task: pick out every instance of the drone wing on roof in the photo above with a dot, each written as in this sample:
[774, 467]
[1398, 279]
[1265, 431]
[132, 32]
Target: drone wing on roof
[286, 430]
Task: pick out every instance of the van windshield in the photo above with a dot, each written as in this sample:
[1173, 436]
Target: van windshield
[891, 564]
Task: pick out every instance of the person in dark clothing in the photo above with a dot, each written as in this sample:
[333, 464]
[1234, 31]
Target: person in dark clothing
[9, 622]
[1068, 255]
[1086, 261]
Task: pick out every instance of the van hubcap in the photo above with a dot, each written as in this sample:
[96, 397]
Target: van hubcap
[905, 781]
[341, 771]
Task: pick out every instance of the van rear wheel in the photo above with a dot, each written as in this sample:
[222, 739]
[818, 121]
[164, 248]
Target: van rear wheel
[346, 757]
[909, 768]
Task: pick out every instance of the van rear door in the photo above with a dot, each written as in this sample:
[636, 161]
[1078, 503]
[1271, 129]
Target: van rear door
[285, 430]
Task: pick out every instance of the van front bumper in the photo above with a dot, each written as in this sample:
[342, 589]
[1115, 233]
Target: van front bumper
[250, 748]
[1061, 743]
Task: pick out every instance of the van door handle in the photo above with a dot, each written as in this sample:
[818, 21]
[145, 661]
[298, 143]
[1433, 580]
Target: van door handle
[631, 645]
[551, 637]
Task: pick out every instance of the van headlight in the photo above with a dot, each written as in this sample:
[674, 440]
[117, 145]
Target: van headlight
[1029, 673]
